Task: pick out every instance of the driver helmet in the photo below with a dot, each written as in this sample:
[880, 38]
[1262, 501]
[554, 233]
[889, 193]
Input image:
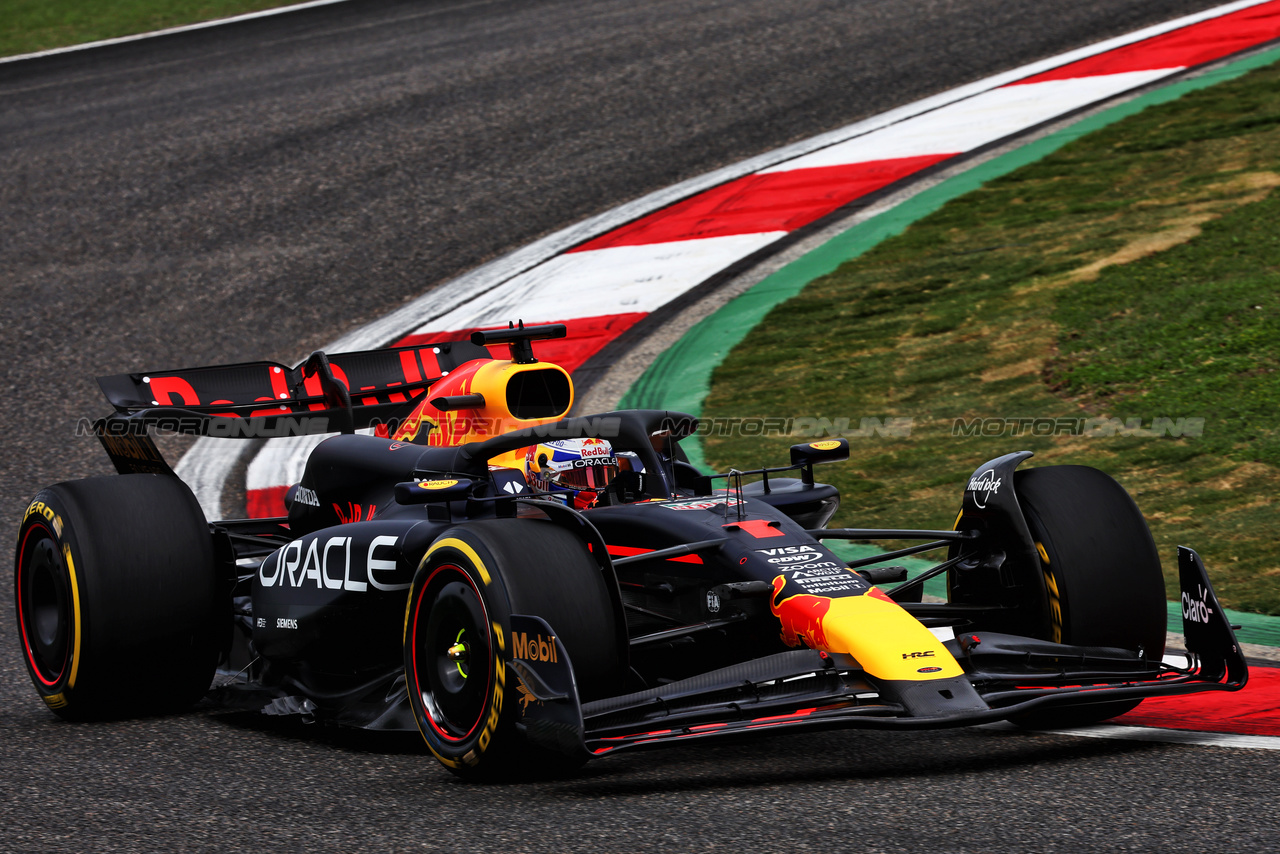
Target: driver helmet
[579, 468]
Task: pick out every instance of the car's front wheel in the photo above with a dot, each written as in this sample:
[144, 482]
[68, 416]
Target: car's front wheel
[458, 638]
[1101, 571]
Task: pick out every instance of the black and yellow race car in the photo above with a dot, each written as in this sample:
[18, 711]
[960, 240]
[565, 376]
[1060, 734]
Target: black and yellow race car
[420, 581]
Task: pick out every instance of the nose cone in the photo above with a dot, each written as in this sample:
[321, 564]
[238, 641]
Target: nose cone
[887, 642]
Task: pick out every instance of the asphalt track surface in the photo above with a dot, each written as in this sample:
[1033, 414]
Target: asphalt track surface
[256, 191]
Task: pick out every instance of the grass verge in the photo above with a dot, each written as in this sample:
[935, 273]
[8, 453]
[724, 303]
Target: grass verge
[1130, 276]
[35, 25]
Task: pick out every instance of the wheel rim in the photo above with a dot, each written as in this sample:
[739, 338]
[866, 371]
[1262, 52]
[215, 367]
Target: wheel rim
[451, 654]
[44, 606]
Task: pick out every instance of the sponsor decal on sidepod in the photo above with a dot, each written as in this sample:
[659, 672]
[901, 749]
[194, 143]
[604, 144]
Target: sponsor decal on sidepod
[330, 563]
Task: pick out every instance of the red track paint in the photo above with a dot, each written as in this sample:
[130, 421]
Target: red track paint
[773, 201]
[266, 503]
[1254, 710]
[586, 337]
[1204, 42]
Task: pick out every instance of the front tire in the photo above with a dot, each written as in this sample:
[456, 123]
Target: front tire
[1101, 571]
[116, 596]
[458, 638]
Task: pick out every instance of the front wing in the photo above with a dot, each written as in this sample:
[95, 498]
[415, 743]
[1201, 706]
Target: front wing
[804, 689]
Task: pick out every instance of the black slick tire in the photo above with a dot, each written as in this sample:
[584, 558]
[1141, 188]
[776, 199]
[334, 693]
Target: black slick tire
[467, 586]
[116, 596]
[1101, 571]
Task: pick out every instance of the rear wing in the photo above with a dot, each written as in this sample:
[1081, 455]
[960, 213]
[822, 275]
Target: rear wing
[254, 400]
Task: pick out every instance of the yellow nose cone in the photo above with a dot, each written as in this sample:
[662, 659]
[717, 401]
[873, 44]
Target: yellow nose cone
[888, 642]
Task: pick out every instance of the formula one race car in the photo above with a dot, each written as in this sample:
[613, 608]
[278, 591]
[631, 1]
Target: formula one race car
[427, 577]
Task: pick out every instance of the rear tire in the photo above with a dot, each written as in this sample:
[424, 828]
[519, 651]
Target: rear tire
[472, 579]
[1101, 570]
[117, 596]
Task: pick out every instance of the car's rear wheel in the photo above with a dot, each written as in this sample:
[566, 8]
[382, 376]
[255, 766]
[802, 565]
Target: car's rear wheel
[1101, 571]
[116, 596]
[458, 637]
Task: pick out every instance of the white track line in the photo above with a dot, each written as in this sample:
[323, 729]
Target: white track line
[616, 280]
[282, 459]
[206, 466]
[985, 118]
[1156, 734]
[1174, 736]
[204, 25]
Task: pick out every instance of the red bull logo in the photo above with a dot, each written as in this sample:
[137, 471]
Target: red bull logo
[354, 513]
[801, 616]
[595, 448]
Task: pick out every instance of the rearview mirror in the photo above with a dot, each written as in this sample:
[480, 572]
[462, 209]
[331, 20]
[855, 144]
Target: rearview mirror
[823, 451]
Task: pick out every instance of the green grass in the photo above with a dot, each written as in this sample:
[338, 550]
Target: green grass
[27, 26]
[1132, 274]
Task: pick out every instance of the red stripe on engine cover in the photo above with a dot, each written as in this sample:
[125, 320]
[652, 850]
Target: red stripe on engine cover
[758, 528]
[631, 551]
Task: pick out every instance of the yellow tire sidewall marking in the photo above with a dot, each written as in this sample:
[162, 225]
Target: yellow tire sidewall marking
[454, 543]
[75, 610]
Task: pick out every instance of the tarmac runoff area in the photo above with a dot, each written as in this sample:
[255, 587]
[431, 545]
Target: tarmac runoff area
[675, 269]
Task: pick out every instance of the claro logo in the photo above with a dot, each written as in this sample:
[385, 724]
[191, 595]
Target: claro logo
[1196, 610]
[533, 647]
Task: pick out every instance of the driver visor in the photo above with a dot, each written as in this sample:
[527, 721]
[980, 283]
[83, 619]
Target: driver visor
[595, 476]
